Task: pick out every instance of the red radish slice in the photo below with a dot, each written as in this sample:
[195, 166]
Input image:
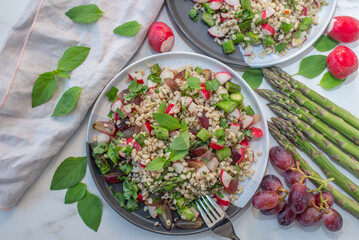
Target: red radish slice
[267, 29]
[203, 92]
[116, 105]
[166, 73]
[103, 138]
[232, 2]
[244, 143]
[174, 110]
[194, 211]
[149, 128]
[243, 153]
[235, 114]
[234, 128]
[169, 108]
[304, 12]
[142, 166]
[247, 120]
[203, 171]
[248, 51]
[192, 107]
[186, 101]
[257, 132]
[136, 146]
[215, 31]
[222, 77]
[151, 84]
[267, 12]
[152, 210]
[160, 37]
[212, 164]
[123, 155]
[202, 79]
[222, 201]
[344, 29]
[215, 4]
[300, 41]
[140, 197]
[178, 167]
[138, 76]
[129, 141]
[216, 146]
[222, 18]
[225, 178]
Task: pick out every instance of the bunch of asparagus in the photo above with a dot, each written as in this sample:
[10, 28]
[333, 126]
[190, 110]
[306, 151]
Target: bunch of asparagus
[334, 130]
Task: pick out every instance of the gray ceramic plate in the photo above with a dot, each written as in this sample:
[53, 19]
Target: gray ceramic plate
[176, 60]
[197, 34]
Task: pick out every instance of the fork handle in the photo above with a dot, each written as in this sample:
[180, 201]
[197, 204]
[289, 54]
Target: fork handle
[234, 237]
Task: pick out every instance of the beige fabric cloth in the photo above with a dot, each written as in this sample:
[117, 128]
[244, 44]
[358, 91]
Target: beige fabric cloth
[29, 137]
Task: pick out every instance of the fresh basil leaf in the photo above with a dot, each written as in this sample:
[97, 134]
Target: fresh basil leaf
[215, 84]
[121, 198]
[209, 85]
[177, 155]
[69, 173]
[254, 77]
[162, 107]
[128, 29]
[184, 126]
[75, 193]
[156, 164]
[100, 149]
[325, 43]
[113, 154]
[132, 205]
[129, 96]
[154, 78]
[166, 121]
[112, 94]
[126, 168]
[72, 58]
[90, 210]
[135, 86]
[144, 89]
[67, 102]
[248, 132]
[84, 13]
[62, 73]
[43, 88]
[181, 142]
[193, 82]
[312, 66]
[120, 113]
[329, 81]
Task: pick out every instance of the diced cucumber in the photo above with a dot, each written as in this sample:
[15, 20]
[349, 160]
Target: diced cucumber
[245, 25]
[232, 87]
[193, 14]
[156, 69]
[237, 97]
[239, 37]
[207, 19]
[140, 139]
[305, 24]
[203, 134]
[228, 47]
[161, 133]
[223, 153]
[286, 27]
[280, 47]
[248, 110]
[227, 106]
[208, 9]
[186, 213]
[253, 37]
[180, 203]
[219, 133]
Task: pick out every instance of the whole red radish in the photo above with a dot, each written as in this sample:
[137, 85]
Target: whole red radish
[160, 37]
[342, 62]
[344, 29]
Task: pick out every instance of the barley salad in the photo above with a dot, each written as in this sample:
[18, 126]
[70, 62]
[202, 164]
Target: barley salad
[278, 25]
[185, 134]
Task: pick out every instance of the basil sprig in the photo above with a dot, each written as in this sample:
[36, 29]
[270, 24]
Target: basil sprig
[67, 102]
[166, 121]
[84, 13]
[128, 29]
[157, 164]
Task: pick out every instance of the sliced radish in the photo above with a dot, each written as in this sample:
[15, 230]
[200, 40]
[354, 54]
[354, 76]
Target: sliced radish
[267, 29]
[192, 107]
[215, 31]
[152, 210]
[235, 127]
[116, 105]
[149, 128]
[216, 146]
[225, 178]
[142, 166]
[300, 41]
[246, 122]
[178, 167]
[129, 141]
[248, 51]
[304, 11]
[169, 108]
[136, 145]
[186, 101]
[222, 77]
[222, 18]
[127, 108]
[151, 84]
[138, 76]
[267, 12]
[194, 211]
[166, 73]
[232, 2]
[103, 138]
[243, 153]
[244, 143]
[215, 4]
[235, 114]
[222, 201]
[212, 164]
[203, 92]
[174, 110]
[256, 132]
[201, 78]
[140, 197]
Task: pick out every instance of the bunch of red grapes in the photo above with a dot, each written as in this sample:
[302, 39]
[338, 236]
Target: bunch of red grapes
[306, 207]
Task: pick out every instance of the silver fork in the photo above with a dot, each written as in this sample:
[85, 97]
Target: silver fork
[215, 218]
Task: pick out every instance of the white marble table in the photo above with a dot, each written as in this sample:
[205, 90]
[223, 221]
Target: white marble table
[41, 213]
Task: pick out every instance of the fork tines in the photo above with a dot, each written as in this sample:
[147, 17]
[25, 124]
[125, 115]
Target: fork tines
[210, 211]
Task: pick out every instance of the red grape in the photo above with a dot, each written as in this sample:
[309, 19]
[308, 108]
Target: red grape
[298, 198]
[332, 220]
[309, 217]
[272, 183]
[310, 199]
[274, 210]
[281, 157]
[265, 200]
[293, 176]
[286, 216]
[326, 196]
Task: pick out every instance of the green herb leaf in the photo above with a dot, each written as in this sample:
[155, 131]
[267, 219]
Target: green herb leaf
[75, 193]
[166, 121]
[120, 113]
[128, 29]
[281, 46]
[113, 154]
[43, 88]
[121, 198]
[193, 82]
[126, 168]
[132, 205]
[84, 13]
[135, 86]
[325, 43]
[181, 142]
[100, 149]
[72, 58]
[90, 210]
[112, 94]
[312, 66]
[152, 77]
[69, 173]
[329, 81]
[177, 155]
[156, 164]
[67, 102]
[254, 77]
[62, 73]
[184, 126]
[129, 96]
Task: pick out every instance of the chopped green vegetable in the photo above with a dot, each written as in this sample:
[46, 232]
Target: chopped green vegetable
[186, 213]
[248, 110]
[286, 27]
[227, 106]
[237, 97]
[127, 150]
[246, 4]
[112, 153]
[228, 47]
[203, 134]
[161, 132]
[238, 38]
[245, 25]
[219, 133]
[193, 82]
[156, 164]
[223, 153]
[253, 37]
[232, 87]
[268, 41]
[208, 9]
[181, 202]
[156, 69]
[152, 77]
[305, 24]
[208, 19]
[281, 47]
[223, 123]
[198, 70]
[140, 139]
[112, 94]
[100, 149]
[127, 168]
[193, 13]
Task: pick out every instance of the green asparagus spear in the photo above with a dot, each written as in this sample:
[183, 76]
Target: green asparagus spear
[302, 113]
[325, 102]
[333, 120]
[348, 204]
[299, 139]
